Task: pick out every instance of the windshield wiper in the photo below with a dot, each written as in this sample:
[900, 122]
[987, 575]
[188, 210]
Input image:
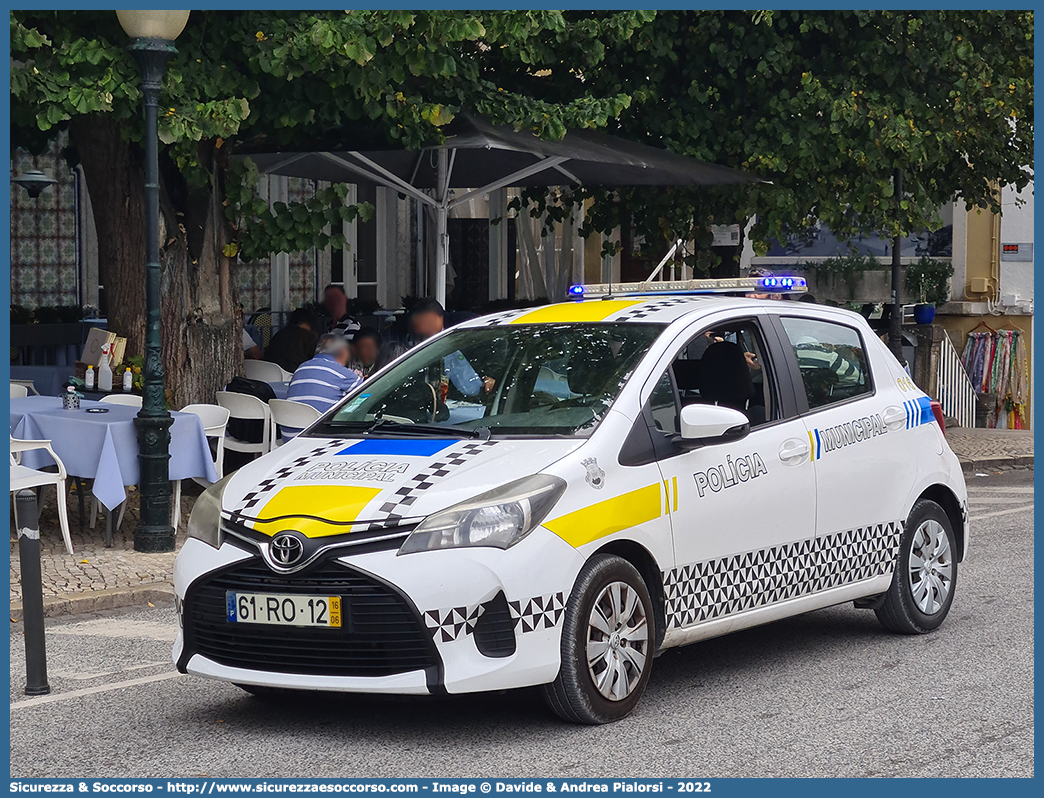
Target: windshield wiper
[386, 425]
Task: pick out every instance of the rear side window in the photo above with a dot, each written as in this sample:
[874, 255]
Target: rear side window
[831, 358]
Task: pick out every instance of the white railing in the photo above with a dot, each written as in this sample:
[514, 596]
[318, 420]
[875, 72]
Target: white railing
[956, 394]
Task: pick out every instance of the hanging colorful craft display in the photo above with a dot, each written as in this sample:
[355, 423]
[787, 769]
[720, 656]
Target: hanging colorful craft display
[998, 366]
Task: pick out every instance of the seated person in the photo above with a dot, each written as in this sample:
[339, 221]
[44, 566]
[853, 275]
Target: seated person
[335, 301]
[322, 381]
[367, 346]
[295, 343]
[251, 351]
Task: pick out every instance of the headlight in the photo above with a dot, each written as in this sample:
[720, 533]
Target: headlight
[205, 519]
[499, 518]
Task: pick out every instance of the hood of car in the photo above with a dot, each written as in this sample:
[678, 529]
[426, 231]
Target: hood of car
[322, 486]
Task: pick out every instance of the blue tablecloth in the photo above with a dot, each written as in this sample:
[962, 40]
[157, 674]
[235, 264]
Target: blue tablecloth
[46, 379]
[104, 446]
[280, 389]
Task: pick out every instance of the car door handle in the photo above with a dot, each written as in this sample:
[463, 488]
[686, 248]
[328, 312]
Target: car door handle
[894, 417]
[794, 451]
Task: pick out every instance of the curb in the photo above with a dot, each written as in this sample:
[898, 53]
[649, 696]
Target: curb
[990, 463]
[95, 601]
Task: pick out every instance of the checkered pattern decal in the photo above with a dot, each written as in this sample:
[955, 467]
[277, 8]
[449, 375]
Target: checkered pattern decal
[398, 507]
[504, 316]
[645, 309]
[539, 612]
[447, 625]
[271, 483]
[716, 588]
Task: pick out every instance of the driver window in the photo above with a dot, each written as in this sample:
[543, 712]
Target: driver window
[724, 365]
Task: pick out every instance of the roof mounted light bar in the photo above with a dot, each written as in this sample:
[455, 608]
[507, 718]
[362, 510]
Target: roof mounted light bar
[726, 285]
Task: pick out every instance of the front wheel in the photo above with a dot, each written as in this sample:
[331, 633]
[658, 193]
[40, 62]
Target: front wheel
[925, 573]
[607, 644]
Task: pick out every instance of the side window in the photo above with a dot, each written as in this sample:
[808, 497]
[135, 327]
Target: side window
[831, 358]
[724, 365]
[663, 404]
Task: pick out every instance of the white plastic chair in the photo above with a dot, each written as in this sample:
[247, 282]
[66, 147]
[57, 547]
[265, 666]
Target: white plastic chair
[24, 477]
[28, 385]
[18, 391]
[214, 419]
[265, 371]
[287, 413]
[128, 399]
[247, 408]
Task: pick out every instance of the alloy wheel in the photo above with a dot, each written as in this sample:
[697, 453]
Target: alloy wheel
[931, 567]
[617, 641]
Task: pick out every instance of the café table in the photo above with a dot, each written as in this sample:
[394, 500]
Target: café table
[103, 446]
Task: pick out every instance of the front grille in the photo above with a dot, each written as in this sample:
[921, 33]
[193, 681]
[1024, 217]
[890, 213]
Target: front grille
[382, 634]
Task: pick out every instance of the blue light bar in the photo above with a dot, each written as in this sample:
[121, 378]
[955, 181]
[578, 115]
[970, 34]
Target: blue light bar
[782, 283]
[576, 290]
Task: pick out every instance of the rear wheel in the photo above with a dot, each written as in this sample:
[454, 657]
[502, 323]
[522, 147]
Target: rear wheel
[607, 644]
[925, 575]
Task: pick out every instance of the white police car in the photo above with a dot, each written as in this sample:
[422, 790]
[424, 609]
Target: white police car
[550, 496]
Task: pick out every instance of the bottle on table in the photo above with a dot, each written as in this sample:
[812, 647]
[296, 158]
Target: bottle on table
[128, 380]
[105, 372]
[88, 379]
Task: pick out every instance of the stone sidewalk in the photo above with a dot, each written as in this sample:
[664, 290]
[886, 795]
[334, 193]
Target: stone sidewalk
[984, 449]
[97, 578]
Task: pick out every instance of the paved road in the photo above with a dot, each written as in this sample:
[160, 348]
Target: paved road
[826, 694]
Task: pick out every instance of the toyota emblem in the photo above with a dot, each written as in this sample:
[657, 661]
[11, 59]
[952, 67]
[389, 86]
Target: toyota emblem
[287, 549]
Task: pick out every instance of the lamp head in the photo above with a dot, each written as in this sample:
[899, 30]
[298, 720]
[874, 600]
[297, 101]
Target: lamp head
[34, 182]
[153, 24]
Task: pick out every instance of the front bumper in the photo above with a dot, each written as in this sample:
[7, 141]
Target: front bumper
[491, 619]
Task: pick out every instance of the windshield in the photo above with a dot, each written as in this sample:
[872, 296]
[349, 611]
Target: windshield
[532, 380]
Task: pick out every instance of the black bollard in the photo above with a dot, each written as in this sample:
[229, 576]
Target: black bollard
[27, 511]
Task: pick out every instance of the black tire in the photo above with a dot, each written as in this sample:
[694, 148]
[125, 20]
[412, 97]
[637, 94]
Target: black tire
[900, 612]
[574, 695]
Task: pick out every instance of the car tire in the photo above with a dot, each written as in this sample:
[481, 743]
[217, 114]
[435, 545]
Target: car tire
[925, 575]
[608, 642]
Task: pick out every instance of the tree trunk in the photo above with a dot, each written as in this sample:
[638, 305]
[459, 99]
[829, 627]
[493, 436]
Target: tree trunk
[201, 322]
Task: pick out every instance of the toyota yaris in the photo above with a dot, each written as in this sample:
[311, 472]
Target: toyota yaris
[550, 496]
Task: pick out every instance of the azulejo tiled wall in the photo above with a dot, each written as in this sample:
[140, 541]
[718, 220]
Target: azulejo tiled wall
[44, 236]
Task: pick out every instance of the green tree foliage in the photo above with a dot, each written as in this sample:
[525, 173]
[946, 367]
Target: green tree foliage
[271, 79]
[826, 105]
[283, 78]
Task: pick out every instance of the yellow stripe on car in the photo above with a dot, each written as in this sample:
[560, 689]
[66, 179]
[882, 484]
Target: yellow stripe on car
[612, 515]
[575, 312]
[338, 505]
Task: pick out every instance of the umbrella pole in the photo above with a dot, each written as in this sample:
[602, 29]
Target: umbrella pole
[441, 234]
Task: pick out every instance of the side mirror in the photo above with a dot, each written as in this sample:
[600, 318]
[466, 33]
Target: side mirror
[709, 424]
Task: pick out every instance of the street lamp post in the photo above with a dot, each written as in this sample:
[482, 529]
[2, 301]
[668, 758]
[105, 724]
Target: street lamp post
[895, 321]
[152, 44]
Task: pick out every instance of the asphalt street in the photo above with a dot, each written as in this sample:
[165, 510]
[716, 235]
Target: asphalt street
[829, 693]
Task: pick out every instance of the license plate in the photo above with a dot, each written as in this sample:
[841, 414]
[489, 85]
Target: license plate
[281, 610]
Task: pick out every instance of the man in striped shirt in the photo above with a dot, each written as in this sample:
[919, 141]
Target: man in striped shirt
[323, 380]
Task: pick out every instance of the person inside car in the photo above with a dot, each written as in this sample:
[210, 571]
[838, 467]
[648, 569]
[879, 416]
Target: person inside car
[427, 319]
